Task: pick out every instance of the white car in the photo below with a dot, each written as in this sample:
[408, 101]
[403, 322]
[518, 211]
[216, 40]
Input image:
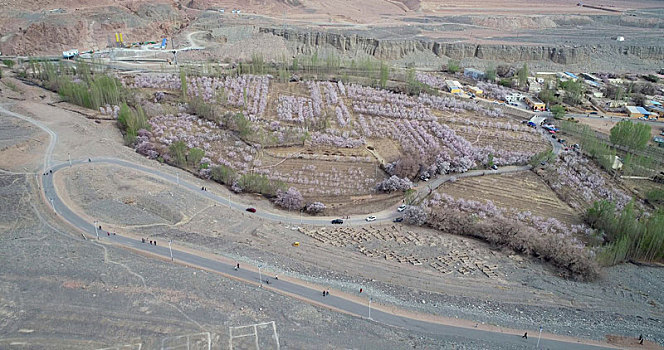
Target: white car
[401, 208]
[371, 218]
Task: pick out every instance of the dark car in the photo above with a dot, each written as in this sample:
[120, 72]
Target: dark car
[398, 220]
[337, 221]
[251, 210]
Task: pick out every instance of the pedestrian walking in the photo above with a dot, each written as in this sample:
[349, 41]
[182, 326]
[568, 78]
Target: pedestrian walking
[155, 242]
[525, 335]
[238, 266]
[108, 234]
[142, 240]
[360, 290]
[323, 292]
[276, 277]
[640, 339]
[150, 242]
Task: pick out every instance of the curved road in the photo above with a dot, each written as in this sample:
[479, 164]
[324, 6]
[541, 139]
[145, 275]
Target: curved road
[509, 340]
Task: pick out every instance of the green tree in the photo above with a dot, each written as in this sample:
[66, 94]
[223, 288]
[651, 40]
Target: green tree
[548, 96]
[522, 75]
[242, 124]
[194, 157]
[558, 111]
[631, 135]
[413, 86]
[295, 65]
[178, 151]
[506, 82]
[453, 66]
[223, 174]
[258, 63]
[490, 74]
[574, 91]
[183, 83]
[384, 74]
[545, 156]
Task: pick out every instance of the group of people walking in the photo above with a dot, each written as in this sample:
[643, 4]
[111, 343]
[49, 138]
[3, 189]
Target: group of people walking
[152, 242]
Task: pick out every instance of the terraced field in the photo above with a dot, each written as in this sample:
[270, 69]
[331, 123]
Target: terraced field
[521, 191]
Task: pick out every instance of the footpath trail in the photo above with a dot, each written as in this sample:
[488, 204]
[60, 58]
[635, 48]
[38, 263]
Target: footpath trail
[419, 323]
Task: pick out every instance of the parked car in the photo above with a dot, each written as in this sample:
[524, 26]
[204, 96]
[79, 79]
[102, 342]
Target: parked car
[401, 208]
[337, 221]
[399, 219]
[553, 136]
[251, 210]
[494, 167]
[593, 113]
[371, 218]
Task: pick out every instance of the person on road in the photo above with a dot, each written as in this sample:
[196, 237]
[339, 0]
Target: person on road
[360, 290]
[237, 266]
[323, 292]
[276, 277]
[155, 242]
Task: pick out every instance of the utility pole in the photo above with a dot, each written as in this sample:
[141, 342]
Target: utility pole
[170, 241]
[229, 199]
[260, 276]
[177, 179]
[369, 307]
[540, 336]
[53, 206]
[69, 156]
[300, 216]
[96, 230]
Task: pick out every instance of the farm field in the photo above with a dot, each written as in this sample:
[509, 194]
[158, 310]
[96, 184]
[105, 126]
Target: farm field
[523, 191]
[329, 140]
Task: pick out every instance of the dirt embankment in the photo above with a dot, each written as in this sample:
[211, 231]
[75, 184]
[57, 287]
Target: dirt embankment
[385, 49]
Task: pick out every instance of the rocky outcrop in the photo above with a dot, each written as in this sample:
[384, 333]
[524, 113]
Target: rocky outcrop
[308, 42]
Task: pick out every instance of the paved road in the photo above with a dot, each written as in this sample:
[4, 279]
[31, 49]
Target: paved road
[303, 292]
